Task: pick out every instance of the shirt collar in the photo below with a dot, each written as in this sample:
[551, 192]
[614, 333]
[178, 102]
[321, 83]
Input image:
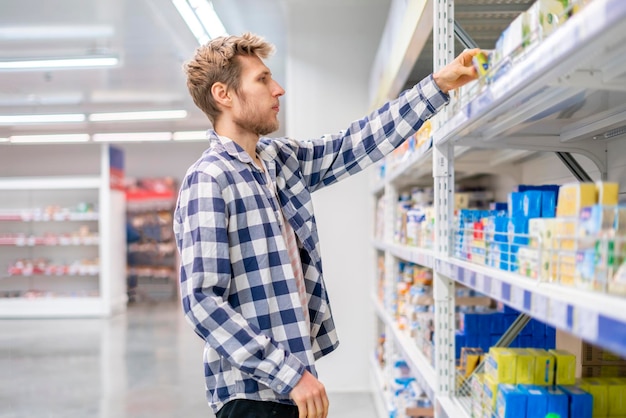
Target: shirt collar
[236, 151]
[232, 148]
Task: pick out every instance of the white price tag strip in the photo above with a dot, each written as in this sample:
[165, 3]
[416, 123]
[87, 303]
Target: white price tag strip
[517, 298]
[586, 324]
[558, 313]
[539, 307]
[480, 283]
[496, 289]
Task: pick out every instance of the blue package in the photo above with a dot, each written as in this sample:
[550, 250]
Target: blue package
[472, 341]
[519, 228]
[497, 323]
[580, 402]
[532, 203]
[538, 327]
[548, 203]
[527, 330]
[493, 340]
[525, 341]
[484, 322]
[484, 342]
[470, 323]
[537, 398]
[501, 225]
[516, 204]
[557, 401]
[499, 206]
[459, 343]
[508, 310]
[508, 320]
[511, 402]
[538, 341]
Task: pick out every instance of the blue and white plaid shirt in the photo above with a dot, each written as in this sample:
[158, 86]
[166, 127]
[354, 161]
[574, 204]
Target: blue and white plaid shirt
[237, 284]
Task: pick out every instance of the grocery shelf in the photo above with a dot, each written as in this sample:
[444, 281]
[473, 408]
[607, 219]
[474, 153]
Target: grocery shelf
[38, 215]
[559, 96]
[380, 395]
[415, 255]
[451, 407]
[595, 317]
[421, 368]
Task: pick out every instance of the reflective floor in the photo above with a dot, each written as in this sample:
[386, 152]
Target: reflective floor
[145, 363]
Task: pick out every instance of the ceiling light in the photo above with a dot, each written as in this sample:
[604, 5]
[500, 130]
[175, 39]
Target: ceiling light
[201, 19]
[39, 32]
[49, 139]
[189, 136]
[58, 63]
[4, 139]
[17, 119]
[126, 116]
[133, 137]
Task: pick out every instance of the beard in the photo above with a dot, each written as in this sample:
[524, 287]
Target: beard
[253, 120]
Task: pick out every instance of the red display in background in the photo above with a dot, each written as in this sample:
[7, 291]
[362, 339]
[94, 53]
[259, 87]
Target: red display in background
[138, 190]
[116, 168]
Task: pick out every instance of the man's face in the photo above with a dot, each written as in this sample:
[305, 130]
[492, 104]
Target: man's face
[256, 106]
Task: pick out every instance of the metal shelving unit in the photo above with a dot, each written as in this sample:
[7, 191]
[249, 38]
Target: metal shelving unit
[566, 94]
[97, 289]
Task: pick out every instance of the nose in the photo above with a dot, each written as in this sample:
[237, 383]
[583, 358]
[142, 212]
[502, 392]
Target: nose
[278, 90]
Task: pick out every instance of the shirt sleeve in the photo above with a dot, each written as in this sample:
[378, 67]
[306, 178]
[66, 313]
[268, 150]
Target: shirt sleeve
[325, 160]
[201, 232]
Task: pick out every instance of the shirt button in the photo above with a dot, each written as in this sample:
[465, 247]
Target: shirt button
[279, 387]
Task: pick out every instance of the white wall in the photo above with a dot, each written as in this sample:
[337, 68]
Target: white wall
[331, 51]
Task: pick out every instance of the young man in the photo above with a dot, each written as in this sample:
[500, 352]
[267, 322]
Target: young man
[251, 273]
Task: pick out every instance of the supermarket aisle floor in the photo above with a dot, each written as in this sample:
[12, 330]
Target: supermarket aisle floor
[141, 364]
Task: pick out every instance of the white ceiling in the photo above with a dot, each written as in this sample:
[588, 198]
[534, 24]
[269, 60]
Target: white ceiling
[149, 37]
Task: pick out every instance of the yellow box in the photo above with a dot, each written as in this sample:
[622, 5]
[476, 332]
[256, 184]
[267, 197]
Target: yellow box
[617, 397]
[565, 233]
[608, 193]
[600, 392]
[501, 365]
[544, 367]
[565, 367]
[573, 196]
[490, 392]
[525, 367]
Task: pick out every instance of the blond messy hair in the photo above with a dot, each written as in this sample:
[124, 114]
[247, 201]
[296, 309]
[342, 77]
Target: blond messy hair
[216, 62]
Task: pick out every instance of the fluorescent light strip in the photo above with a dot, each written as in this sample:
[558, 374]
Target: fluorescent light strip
[210, 20]
[189, 136]
[133, 137]
[192, 22]
[201, 19]
[56, 63]
[49, 139]
[126, 116]
[14, 119]
[4, 139]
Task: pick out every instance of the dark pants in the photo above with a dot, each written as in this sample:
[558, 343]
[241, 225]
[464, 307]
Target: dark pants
[244, 408]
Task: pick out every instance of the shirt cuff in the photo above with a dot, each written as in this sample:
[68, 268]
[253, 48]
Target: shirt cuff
[288, 376]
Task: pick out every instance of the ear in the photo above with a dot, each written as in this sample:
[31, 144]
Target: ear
[221, 94]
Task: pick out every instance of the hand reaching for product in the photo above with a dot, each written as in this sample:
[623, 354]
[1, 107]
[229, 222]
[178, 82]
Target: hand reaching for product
[457, 73]
[310, 397]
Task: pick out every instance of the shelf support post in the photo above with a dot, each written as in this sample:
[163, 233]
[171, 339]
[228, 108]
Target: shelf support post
[443, 178]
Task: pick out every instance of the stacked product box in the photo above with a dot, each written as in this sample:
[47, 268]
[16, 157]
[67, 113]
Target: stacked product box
[573, 234]
[599, 362]
[483, 329]
[531, 383]
[525, 32]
